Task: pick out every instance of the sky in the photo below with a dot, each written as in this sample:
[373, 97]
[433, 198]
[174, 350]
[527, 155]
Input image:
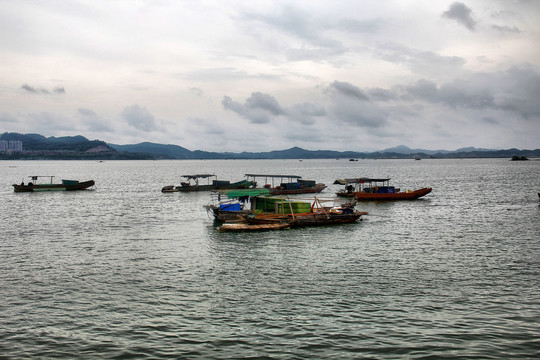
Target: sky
[269, 75]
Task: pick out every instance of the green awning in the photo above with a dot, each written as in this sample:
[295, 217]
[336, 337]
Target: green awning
[247, 192]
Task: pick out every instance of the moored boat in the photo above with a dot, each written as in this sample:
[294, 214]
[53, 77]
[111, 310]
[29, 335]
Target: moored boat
[192, 184]
[318, 215]
[288, 184]
[65, 185]
[232, 205]
[377, 189]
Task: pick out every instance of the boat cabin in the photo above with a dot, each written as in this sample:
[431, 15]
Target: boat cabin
[367, 185]
[195, 179]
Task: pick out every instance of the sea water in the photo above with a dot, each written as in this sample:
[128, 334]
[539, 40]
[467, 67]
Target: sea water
[124, 270]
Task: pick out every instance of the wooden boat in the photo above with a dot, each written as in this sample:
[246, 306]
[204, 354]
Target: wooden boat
[319, 215]
[252, 227]
[66, 185]
[232, 205]
[192, 184]
[365, 189]
[288, 184]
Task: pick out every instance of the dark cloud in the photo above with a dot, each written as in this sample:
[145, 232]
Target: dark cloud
[462, 14]
[347, 89]
[515, 90]
[56, 90]
[358, 113]
[378, 94]
[259, 108]
[139, 118]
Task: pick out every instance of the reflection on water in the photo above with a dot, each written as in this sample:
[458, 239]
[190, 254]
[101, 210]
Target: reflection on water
[125, 270]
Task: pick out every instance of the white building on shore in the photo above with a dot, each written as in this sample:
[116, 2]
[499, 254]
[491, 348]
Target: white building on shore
[11, 146]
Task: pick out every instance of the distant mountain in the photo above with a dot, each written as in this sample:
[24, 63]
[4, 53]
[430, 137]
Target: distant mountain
[36, 146]
[39, 142]
[158, 150]
[402, 149]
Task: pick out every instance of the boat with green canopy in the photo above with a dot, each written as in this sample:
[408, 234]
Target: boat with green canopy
[193, 183]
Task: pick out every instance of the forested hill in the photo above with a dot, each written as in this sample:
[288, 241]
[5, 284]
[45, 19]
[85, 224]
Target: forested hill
[37, 146]
[40, 142]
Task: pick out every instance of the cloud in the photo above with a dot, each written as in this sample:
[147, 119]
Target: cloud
[418, 61]
[515, 90]
[90, 120]
[55, 90]
[351, 105]
[139, 118]
[196, 91]
[305, 113]
[347, 89]
[259, 108]
[506, 29]
[50, 122]
[8, 119]
[301, 34]
[462, 14]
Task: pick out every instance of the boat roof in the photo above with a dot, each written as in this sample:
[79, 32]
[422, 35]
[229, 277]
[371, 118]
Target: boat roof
[247, 192]
[198, 176]
[275, 176]
[360, 180]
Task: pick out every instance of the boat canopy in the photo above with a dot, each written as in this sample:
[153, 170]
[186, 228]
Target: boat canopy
[194, 177]
[247, 192]
[275, 176]
[359, 180]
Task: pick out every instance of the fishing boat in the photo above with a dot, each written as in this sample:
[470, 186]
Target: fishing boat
[232, 205]
[376, 189]
[65, 185]
[192, 183]
[287, 184]
[318, 215]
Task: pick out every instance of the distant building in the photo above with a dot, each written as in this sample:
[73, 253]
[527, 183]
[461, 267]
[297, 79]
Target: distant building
[11, 146]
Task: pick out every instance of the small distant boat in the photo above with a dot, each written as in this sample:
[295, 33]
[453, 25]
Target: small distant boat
[288, 184]
[192, 184]
[66, 185]
[362, 189]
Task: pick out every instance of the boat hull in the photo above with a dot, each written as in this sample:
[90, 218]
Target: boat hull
[54, 187]
[306, 219]
[307, 190]
[240, 227]
[189, 188]
[410, 195]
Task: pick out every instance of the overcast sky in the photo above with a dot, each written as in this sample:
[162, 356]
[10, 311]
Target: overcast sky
[270, 75]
